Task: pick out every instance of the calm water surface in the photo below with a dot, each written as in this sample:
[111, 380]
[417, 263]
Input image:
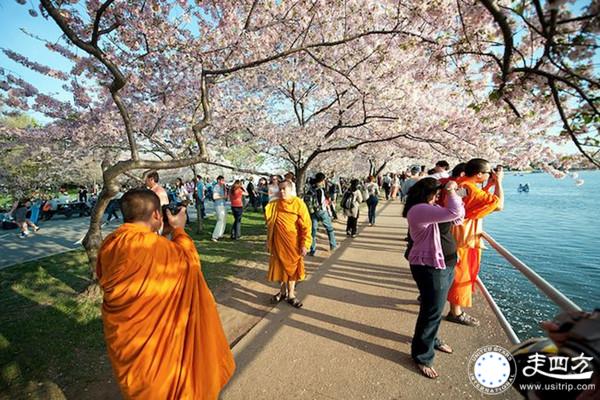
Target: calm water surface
[555, 230]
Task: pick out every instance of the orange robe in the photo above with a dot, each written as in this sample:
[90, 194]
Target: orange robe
[162, 329]
[478, 203]
[289, 230]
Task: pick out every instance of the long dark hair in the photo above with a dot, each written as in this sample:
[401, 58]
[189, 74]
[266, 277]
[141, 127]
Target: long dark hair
[354, 185]
[420, 192]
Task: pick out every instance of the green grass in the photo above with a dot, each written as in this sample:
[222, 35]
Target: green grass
[51, 338]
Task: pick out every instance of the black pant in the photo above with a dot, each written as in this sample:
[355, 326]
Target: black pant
[372, 204]
[386, 189]
[236, 229]
[433, 287]
[351, 224]
[253, 201]
[112, 208]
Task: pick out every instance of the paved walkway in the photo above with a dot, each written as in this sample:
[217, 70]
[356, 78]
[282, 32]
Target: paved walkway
[351, 340]
[56, 236]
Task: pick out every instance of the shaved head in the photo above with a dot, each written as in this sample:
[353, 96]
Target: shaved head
[286, 184]
[138, 205]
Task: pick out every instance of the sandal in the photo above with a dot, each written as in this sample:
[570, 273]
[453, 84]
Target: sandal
[294, 302]
[427, 371]
[463, 319]
[442, 346]
[278, 297]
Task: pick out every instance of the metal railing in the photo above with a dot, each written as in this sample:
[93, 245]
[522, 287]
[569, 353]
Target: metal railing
[546, 288]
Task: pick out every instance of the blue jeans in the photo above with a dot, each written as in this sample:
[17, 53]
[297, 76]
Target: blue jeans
[236, 229]
[433, 287]
[372, 204]
[326, 220]
[201, 208]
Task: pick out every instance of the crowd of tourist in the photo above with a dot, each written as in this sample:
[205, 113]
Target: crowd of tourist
[443, 208]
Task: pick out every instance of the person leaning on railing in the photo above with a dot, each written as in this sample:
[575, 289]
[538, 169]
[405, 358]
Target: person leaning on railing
[432, 257]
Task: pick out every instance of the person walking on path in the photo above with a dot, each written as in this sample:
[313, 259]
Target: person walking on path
[219, 197]
[315, 199]
[163, 333]
[351, 203]
[236, 195]
[252, 195]
[263, 192]
[432, 257]
[83, 194]
[19, 212]
[200, 196]
[478, 203]
[410, 180]
[372, 190]
[288, 238]
[113, 205]
[395, 186]
[152, 184]
[387, 185]
[333, 188]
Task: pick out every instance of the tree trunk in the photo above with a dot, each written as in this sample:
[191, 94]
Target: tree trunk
[371, 167]
[93, 238]
[300, 177]
[378, 171]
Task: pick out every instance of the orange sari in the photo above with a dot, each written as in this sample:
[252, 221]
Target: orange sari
[162, 329]
[478, 203]
[289, 230]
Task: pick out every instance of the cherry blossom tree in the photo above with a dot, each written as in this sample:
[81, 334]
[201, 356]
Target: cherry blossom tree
[166, 84]
[145, 72]
[534, 52]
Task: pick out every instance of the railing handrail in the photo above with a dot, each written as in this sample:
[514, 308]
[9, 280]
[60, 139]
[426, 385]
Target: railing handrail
[546, 288]
[508, 329]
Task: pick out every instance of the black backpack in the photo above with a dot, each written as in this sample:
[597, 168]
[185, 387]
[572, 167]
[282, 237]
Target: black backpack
[348, 200]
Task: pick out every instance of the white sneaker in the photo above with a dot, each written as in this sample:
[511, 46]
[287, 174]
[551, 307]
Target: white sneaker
[214, 240]
[23, 235]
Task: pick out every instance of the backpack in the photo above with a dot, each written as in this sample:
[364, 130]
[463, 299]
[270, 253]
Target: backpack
[311, 200]
[348, 200]
[209, 193]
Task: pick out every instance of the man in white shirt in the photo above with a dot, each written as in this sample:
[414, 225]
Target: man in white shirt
[441, 170]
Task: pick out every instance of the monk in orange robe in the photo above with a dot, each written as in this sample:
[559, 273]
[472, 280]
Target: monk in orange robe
[478, 203]
[162, 329]
[288, 241]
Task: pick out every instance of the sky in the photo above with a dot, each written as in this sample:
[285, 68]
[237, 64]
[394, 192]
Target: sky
[14, 17]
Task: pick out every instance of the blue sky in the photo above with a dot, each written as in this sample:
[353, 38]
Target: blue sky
[13, 17]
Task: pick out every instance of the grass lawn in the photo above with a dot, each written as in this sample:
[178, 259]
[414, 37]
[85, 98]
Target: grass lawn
[51, 340]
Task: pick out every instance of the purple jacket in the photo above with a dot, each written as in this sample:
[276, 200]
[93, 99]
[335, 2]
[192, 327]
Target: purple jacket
[422, 221]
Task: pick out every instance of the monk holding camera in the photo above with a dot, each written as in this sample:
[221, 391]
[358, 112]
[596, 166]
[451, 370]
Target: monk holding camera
[162, 329]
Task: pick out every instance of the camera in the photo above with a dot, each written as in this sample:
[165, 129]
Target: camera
[173, 209]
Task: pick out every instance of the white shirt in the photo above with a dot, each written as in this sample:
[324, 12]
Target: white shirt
[439, 175]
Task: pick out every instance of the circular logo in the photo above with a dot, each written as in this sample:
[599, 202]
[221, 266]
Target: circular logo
[492, 369]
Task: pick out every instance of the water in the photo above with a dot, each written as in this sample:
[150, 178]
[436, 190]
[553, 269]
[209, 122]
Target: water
[554, 230]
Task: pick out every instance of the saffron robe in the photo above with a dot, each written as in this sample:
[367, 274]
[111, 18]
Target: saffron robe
[478, 203]
[288, 231]
[162, 329]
